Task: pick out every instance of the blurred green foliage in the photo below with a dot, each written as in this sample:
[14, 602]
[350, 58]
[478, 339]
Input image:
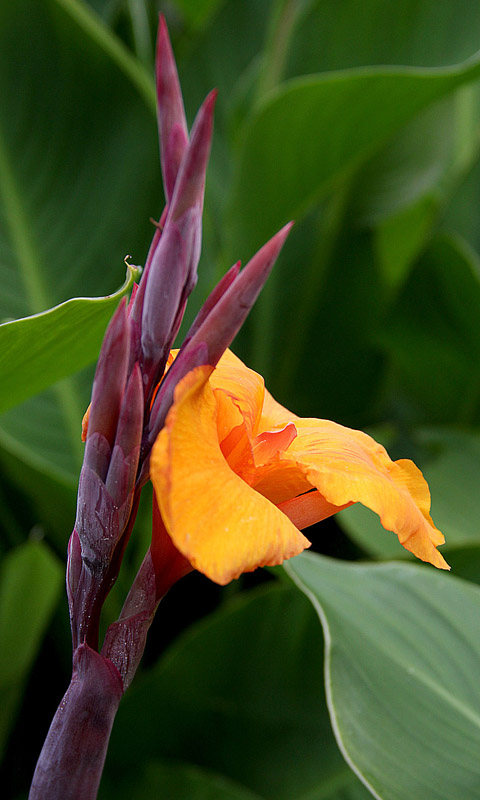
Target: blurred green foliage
[360, 119]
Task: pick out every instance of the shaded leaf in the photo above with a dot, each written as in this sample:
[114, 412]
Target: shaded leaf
[31, 579]
[403, 653]
[241, 694]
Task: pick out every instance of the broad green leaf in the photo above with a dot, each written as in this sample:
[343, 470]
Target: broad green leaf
[42, 349]
[30, 582]
[79, 180]
[402, 660]
[428, 156]
[430, 33]
[320, 128]
[306, 141]
[240, 694]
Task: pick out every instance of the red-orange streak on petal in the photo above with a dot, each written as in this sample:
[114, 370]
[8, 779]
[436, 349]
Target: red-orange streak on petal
[215, 519]
[269, 444]
[308, 509]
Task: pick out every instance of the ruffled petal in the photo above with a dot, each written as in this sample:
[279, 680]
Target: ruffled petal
[220, 524]
[347, 466]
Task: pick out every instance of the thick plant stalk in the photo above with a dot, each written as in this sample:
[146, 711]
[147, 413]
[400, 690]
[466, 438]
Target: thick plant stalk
[71, 762]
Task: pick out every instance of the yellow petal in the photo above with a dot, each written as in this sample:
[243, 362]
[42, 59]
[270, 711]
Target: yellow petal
[221, 525]
[347, 466]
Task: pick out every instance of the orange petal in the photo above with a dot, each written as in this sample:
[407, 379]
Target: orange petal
[274, 415]
[85, 424]
[243, 385]
[309, 508]
[347, 466]
[221, 525]
[269, 444]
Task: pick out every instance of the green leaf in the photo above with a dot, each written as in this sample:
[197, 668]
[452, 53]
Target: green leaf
[79, 180]
[430, 33]
[31, 579]
[427, 157]
[320, 128]
[241, 694]
[42, 349]
[403, 653]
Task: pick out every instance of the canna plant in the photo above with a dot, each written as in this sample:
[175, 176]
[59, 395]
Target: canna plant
[236, 476]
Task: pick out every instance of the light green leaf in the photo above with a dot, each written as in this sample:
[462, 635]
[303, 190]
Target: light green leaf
[402, 660]
[240, 694]
[31, 579]
[42, 349]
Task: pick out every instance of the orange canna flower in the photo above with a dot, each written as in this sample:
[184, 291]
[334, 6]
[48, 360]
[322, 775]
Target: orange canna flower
[237, 476]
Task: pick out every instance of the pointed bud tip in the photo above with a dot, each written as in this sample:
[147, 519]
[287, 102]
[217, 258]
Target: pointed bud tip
[283, 232]
[162, 31]
[211, 99]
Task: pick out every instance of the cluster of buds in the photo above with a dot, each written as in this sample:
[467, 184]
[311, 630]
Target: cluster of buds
[132, 393]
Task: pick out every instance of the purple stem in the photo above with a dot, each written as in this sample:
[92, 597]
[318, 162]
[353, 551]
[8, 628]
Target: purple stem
[71, 762]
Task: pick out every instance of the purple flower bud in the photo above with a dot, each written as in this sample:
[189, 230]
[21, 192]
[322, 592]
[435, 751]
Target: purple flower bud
[173, 268]
[212, 300]
[172, 125]
[122, 470]
[110, 377]
[74, 566]
[213, 330]
[221, 325]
